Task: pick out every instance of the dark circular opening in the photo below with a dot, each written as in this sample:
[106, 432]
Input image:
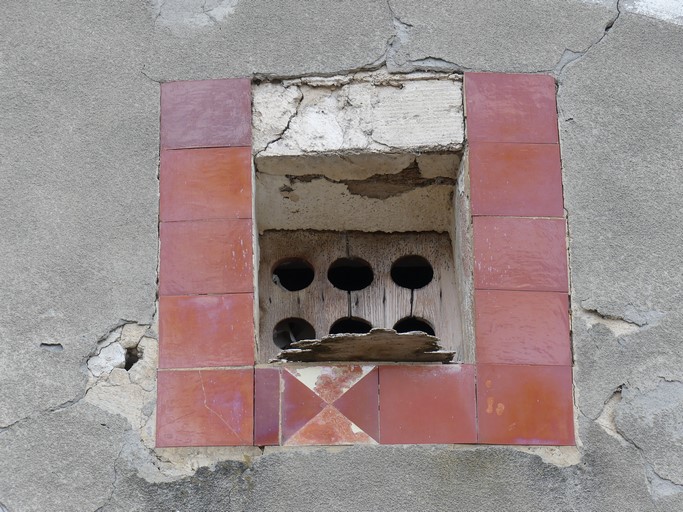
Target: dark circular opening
[412, 272]
[350, 274]
[350, 325]
[290, 330]
[293, 274]
[412, 324]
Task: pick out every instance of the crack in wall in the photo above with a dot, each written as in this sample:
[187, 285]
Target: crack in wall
[212, 411]
[281, 133]
[658, 486]
[569, 56]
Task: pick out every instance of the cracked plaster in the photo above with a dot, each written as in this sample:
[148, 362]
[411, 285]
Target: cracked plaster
[330, 152]
[79, 104]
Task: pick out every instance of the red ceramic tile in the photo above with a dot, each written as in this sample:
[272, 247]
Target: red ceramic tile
[502, 107]
[205, 407]
[200, 257]
[360, 404]
[212, 183]
[329, 427]
[266, 406]
[207, 330]
[206, 113]
[427, 404]
[330, 382]
[520, 254]
[529, 405]
[515, 179]
[299, 405]
[522, 327]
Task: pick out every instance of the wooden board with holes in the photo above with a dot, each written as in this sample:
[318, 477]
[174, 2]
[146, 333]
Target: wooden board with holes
[383, 303]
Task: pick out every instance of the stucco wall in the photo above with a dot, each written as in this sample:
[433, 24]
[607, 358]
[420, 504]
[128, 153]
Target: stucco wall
[79, 118]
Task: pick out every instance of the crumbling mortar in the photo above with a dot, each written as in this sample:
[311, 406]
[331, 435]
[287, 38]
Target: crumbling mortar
[355, 186]
[430, 63]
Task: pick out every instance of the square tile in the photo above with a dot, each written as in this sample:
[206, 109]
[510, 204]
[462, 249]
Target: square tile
[205, 407]
[211, 183]
[504, 107]
[207, 330]
[427, 404]
[330, 405]
[204, 257]
[528, 405]
[266, 406]
[206, 113]
[515, 179]
[522, 327]
[520, 254]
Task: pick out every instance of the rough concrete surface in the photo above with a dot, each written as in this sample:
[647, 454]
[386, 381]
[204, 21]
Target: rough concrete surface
[78, 161]
[527, 36]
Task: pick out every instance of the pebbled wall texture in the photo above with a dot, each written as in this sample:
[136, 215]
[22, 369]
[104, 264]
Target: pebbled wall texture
[79, 121]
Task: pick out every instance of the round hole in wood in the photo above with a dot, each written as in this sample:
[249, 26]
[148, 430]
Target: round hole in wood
[413, 324]
[412, 272]
[290, 330]
[350, 274]
[350, 325]
[293, 274]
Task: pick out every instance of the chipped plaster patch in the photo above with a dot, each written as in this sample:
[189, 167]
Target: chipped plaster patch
[193, 13]
[617, 326]
[624, 323]
[560, 456]
[666, 10]
[132, 395]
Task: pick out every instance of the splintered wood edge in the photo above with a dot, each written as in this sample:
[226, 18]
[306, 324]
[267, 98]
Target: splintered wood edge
[377, 345]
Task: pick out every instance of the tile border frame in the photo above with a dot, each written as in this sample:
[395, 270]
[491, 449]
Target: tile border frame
[234, 88]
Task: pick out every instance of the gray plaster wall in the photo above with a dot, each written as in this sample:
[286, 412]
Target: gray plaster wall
[79, 115]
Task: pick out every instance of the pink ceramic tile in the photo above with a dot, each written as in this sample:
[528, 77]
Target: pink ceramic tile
[529, 405]
[522, 327]
[515, 179]
[213, 183]
[330, 427]
[502, 107]
[299, 405]
[204, 257]
[206, 113]
[205, 407]
[266, 406]
[360, 404]
[520, 254]
[427, 404]
[207, 330]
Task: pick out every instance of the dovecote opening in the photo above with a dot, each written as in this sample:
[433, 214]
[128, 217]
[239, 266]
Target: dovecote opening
[359, 205]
